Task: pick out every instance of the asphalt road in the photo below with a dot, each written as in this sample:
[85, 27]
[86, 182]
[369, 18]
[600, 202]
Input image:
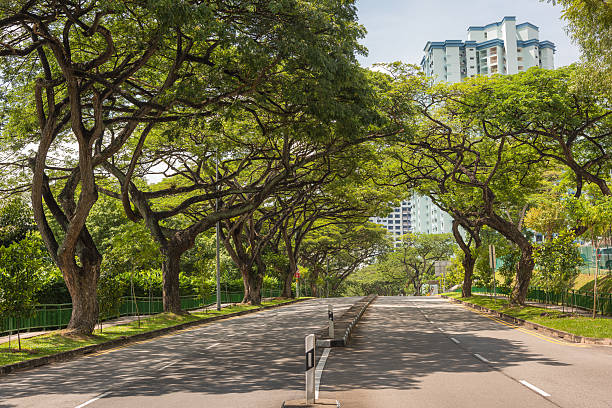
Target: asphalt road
[406, 352]
[427, 352]
[249, 361]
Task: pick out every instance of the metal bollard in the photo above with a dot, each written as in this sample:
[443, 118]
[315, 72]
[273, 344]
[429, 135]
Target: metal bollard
[330, 317]
[310, 368]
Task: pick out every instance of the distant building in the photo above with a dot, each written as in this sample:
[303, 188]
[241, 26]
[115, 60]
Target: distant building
[497, 48]
[398, 222]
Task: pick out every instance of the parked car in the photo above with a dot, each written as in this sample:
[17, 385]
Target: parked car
[605, 257]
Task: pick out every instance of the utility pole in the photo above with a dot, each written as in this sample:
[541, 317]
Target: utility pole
[492, 264]
[218, 225]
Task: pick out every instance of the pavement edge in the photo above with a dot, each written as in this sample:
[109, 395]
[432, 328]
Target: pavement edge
[574, 338]
[122, 341]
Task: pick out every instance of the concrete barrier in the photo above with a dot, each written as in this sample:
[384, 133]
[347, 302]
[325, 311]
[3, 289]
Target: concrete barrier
[344, 325]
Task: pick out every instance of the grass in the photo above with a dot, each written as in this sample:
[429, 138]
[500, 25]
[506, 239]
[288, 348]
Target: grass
[604, 284]
[57, 341]
[579, 325]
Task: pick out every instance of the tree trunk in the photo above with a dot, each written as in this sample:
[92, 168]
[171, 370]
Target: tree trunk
[287, 281]
[468, 267]
[171, 268]
[523, 275]
[469, 260]
[252, 286]
[82, 283]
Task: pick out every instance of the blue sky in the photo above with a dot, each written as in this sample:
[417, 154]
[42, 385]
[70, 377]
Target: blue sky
[399, 29]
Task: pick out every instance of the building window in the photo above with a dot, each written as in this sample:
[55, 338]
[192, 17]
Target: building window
[493, 59]
[521, 67]
[471, 67]
[485, 36]
[519, 59]
[493, 51]
[493, 69]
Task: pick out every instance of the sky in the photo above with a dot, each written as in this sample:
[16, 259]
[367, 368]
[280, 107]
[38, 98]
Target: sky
[399, 29]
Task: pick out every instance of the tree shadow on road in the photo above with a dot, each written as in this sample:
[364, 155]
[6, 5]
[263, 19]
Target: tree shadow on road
[259, 352]
[396, 348]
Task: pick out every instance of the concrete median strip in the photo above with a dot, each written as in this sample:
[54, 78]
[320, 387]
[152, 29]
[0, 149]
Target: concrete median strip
[344, 325]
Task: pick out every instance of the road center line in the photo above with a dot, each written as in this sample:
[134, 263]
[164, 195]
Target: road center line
[93, 399]
[455, 340]
[319, 370]
[481, 358]
[534, 388]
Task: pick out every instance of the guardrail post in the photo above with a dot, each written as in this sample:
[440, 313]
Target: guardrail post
[310, 368]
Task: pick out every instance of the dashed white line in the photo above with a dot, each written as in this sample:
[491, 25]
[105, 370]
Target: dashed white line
[168, 365]
[440, 329]
[481, 358]
[319, 370]
[455, 340]
[212, 345]
[93, 399]
[534, 388]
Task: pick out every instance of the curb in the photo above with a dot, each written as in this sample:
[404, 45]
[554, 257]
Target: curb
[345, 325]
[125, 340]
[570, 337]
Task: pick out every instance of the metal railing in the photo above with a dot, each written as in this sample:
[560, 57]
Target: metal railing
[570, 298]
[57, 316]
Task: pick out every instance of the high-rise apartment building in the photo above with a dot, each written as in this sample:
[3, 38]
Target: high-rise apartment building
[398, 222]
[497, 48]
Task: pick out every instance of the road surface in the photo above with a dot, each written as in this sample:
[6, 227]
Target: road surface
[248, 361]
[406, 352]
[427, 352]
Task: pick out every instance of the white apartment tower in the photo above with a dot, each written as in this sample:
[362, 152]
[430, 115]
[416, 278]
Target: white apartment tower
[497, 48]
[398, 222]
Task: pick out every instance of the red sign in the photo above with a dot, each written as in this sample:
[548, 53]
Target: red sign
[297, 275]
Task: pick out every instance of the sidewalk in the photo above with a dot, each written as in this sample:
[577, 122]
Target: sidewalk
[108, 323]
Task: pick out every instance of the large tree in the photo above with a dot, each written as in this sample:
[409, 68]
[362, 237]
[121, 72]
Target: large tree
[91, 76]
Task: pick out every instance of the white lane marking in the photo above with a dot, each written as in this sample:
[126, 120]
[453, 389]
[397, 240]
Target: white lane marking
[440, 329]
[319, 370]
[534, 388]
[93, 399]
[481, 358]
[455, 340]
[168, 365]
[212, 345]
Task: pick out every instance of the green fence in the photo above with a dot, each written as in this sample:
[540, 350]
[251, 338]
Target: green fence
[570, 298]
[51, 317]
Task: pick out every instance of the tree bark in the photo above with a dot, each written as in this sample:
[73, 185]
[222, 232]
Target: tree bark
[287, 281]
[170, 273]
[523, 274]
[469, 260]
[82, 284]
[252, 285]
